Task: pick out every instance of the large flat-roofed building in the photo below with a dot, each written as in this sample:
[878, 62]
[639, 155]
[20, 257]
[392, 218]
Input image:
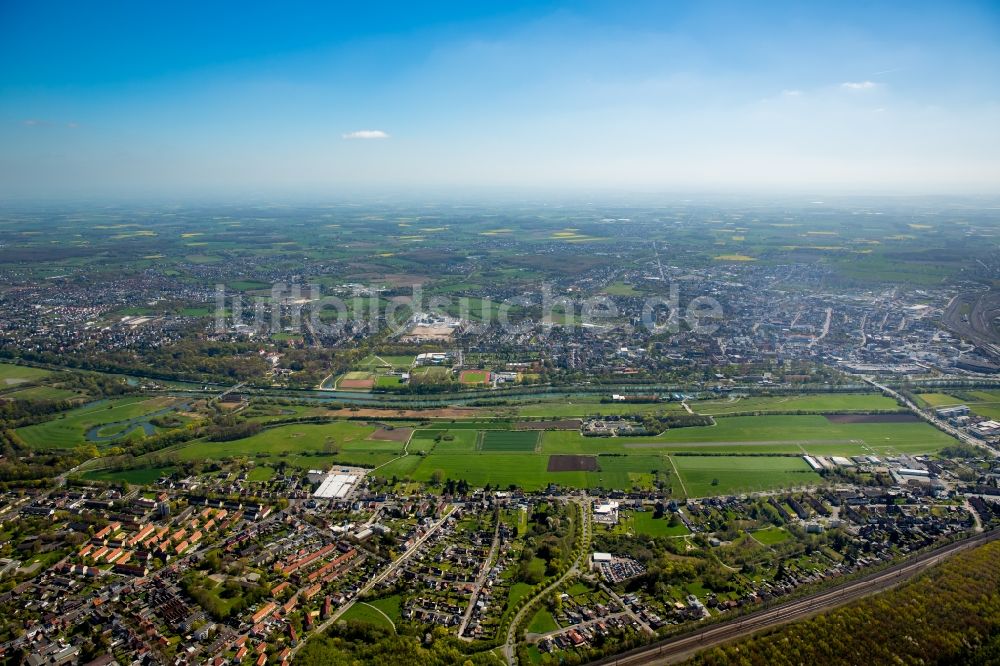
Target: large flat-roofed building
[953, 412]
[336, 486]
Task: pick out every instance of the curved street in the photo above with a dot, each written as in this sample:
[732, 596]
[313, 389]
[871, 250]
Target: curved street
[510, 653]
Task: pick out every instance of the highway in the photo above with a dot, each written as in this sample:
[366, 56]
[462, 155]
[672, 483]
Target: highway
[681, 648]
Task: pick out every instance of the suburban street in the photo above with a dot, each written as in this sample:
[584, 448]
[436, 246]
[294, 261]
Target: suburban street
[509, 653]
[480, 580]
[377, 579]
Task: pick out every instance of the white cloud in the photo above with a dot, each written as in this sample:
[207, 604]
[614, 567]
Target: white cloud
[859, 85]
[34, 122]
[791, 93]
[366, 134]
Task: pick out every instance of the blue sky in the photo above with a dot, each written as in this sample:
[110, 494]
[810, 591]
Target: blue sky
[210, 98]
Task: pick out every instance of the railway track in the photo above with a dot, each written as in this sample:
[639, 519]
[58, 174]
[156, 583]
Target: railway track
[681, 648]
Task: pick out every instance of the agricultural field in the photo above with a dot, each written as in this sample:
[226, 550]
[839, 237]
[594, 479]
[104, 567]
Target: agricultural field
[266, 412]
[579, 407]
[632, 471]
[985, 403]
[491, 452]
[445, 441]
[701, 476]
[530, 470]
[525, 470]
[986, 409]
[812, 434]
[500, 456]
[937, 400]
[509, 440]
[99, 422]
[822, 402]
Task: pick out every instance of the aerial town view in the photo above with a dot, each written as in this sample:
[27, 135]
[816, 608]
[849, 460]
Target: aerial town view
[641, 334]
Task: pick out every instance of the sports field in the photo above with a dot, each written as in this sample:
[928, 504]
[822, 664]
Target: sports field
[474, 376]
[356, 380]
[388, 381]
[430, 374]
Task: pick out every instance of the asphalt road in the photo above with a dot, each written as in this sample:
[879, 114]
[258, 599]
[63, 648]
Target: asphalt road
[481, 579]
[510, 643]
[375, 581]
[931, 418]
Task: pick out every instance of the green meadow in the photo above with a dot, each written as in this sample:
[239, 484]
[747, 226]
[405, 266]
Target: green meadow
[341, 442]
[12, 375]
[765, 434]
[820, 402]
[694, 461]
[69, 429]
[716, 475]
[139, 476]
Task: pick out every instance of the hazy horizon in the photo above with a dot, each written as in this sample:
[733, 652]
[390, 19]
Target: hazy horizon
[833, 99]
